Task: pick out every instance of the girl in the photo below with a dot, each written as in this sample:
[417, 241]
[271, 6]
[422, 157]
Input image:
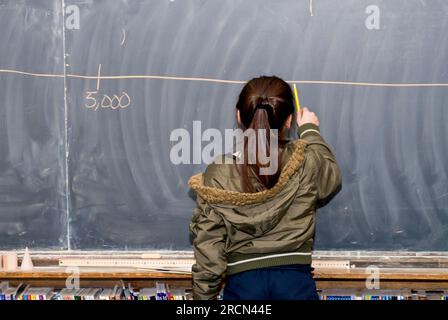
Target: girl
[259, 229]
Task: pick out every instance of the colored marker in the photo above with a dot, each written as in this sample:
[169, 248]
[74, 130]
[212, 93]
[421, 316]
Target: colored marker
[296, 95]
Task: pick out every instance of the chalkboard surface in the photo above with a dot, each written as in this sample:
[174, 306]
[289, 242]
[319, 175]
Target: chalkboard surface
[32, 163]
[87, 108]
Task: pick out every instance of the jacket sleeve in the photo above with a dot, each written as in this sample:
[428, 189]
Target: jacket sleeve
[328, 176]
[208, 233]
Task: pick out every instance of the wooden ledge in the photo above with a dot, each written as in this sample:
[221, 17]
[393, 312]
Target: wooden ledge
[407, 274]
[402, 274]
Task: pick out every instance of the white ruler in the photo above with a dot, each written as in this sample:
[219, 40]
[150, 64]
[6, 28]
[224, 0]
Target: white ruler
[331, 264]
[175, 264]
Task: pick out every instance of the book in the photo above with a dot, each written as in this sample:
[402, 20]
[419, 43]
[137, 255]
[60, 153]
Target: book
[38, 294]
[148, 294]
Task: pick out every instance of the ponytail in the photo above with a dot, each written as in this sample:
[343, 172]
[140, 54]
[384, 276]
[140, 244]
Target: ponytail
[261, 124]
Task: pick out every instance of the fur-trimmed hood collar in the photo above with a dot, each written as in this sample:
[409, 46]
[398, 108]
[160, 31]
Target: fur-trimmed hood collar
[255, 213]
[226, 197]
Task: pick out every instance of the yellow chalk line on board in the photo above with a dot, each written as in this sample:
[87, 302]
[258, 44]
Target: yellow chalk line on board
[214, 80]
[157, 78]
[32, 74]
[369, 84]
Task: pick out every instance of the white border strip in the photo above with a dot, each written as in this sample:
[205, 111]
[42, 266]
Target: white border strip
[309, 130]
[271, 256]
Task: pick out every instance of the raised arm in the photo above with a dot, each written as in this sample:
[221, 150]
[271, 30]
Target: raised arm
[328, 176]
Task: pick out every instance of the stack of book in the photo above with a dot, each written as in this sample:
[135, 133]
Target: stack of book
[115, 293]
[24, 292]
[162, 292]
[381, 294]
[78, 294]
[387, 295]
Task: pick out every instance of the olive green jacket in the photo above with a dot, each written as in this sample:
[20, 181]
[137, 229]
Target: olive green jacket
[234, 231]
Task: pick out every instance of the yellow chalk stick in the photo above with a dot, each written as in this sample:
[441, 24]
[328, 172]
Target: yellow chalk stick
[296, 95]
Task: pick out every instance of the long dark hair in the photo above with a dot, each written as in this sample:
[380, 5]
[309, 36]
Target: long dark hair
[264, 103]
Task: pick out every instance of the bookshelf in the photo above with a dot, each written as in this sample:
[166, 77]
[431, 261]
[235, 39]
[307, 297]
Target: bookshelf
[390, 278]
[418, 273]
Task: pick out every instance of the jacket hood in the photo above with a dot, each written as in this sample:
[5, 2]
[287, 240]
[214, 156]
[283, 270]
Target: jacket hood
[255, 213]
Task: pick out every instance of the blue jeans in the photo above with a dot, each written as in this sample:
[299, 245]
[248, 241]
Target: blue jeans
[293, 282]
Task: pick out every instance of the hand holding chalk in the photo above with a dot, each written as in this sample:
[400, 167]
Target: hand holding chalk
[306, 116]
